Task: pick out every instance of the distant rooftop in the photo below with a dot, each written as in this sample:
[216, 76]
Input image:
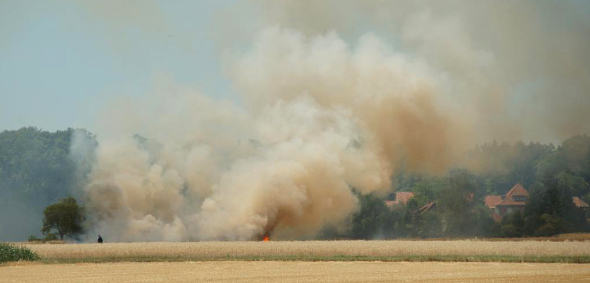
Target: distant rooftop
[400, 198]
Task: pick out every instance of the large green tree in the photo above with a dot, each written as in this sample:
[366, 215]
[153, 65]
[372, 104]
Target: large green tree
[550, 209]
[456, 201]
[64, 217]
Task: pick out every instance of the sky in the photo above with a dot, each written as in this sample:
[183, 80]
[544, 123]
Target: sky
[61, 61]
[520, 67]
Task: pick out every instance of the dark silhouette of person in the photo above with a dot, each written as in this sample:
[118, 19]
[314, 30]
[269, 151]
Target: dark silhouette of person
[99, 239]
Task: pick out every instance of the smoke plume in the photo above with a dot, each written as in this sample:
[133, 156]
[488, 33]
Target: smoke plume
[323, 108]
[317, 118]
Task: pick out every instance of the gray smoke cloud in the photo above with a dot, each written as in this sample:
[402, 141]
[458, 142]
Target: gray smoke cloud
[330, 101]
[519, 69]
[318, 117]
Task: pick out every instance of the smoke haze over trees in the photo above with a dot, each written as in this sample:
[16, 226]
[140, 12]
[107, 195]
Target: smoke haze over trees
[37, 168]
[327, 108]
[37, 165]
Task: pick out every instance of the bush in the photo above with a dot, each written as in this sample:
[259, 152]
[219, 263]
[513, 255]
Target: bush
[509, 230]
[50, 237]
[10, 252]
[34, 238]
[430, 225]
[553, 225]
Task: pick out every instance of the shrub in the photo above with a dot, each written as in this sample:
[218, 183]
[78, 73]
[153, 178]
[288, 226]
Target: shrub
[50, 237]
[34, 238]
[509, 230]
[430, 225]
[553, 225]
[10, 252]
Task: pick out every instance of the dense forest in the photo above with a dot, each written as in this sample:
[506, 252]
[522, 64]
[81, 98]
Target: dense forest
[37, 168]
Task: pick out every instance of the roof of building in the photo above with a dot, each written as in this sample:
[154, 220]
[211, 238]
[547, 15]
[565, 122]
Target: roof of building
[400, 198]
[578, 202]
[403, 197]
[517, 190]
[492, 201]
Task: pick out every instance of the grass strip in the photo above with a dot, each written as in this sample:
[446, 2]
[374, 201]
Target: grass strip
[405, 258]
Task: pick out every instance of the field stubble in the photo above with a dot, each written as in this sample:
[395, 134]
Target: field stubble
[273, 271]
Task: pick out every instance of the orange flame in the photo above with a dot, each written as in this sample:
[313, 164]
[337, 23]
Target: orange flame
[266, 238]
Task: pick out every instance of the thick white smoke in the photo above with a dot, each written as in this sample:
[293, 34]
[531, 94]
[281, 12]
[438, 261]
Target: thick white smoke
[316, 117]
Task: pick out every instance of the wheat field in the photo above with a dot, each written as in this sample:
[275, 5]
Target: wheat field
[302, 250]
[301, 261]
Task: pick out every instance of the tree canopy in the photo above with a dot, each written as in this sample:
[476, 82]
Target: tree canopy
[38, 168]
[64, 217]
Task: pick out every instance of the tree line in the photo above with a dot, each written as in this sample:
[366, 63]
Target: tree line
[37, 170]
[552, 175]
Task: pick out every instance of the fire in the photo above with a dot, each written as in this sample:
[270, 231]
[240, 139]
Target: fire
[266, 238]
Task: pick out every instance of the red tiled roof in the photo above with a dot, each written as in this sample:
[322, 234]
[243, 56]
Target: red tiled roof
[403, 197]
[492, 201]
[400, 198]
[578, 202]
[517, 190]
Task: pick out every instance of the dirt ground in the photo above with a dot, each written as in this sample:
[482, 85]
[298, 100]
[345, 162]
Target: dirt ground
[269, 271]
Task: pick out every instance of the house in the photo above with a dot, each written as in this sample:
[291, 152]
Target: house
[401, 198]
[579, 203]
[492, 201]
[514, 200]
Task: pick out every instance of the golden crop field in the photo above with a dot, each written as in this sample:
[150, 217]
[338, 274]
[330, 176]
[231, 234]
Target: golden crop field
[305, 261]
[273, 271]
[465, 250]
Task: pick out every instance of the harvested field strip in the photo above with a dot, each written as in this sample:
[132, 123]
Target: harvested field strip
[270, 271]
[468, 250]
